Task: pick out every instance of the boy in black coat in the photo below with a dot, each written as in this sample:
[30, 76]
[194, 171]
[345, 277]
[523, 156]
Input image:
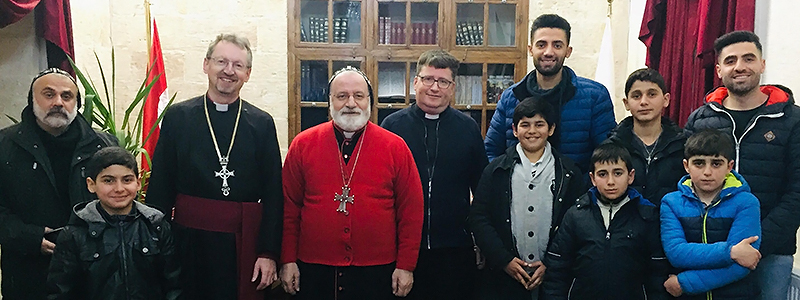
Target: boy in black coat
[608, 246]
[520, 201]
[114, 247]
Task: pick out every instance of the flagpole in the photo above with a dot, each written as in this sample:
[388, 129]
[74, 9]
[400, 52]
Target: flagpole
[607, 15]
[148, 26]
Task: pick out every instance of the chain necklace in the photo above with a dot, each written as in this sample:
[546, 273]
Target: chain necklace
[224, 173]
[651, 150]
[345, 197]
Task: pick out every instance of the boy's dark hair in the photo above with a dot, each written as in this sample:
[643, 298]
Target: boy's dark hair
[740, 36]
[611, 153]
[645, 75]
[532, 106]
[110, 156]
[438, 59]
[551, 21]
[709, 142]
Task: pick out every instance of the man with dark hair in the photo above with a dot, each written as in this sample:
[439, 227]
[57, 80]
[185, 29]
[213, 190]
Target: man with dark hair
[586, 114]
[448, 151]
[765, 125]
[655, 142]
[218, 165]
[353, 219]
[520, 201]
[45, 157]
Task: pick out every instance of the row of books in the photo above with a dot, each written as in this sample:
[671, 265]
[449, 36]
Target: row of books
[495, 85]
[469, 33]
[394, 32]
[313, 83]
[468, 90]
[318, 30]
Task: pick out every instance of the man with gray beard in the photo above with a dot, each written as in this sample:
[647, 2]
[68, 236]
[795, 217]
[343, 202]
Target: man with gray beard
[42, 177]
[358, 191]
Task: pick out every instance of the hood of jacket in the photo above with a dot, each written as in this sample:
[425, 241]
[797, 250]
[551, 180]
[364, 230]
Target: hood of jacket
[734, 184]
[87, 211]
[778, 94]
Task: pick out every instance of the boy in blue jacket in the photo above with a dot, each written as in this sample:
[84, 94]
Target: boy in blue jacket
[710, 226]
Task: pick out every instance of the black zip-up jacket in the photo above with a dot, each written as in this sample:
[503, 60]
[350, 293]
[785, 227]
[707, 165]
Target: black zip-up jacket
[106, 257]
[588, 261]
[490, 219]
[661, 176]
[456, 170]
[30, 200]
[767, 156]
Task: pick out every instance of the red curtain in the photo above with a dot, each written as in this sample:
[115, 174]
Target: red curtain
[12, 11]
[680, 35]
[53, 23]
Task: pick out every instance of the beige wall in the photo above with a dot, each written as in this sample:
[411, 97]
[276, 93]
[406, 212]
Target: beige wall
[21, 58]
[186, 28]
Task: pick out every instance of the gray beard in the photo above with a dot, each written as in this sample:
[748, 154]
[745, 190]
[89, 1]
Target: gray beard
[56, 118]
[349, 123]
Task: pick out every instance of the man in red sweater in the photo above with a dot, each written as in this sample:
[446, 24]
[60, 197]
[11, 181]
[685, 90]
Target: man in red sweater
[353, 204]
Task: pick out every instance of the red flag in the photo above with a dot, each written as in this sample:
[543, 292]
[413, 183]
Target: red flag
[158, 97]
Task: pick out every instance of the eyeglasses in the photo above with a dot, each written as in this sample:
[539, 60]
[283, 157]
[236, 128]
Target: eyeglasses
[346, 96]
[222, 63]
[429, 81]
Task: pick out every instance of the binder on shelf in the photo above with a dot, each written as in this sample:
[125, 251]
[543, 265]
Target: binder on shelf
[381, 30]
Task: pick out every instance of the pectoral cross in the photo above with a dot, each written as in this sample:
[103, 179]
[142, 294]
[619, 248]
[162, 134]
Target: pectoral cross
[343, 199]
[224, 174]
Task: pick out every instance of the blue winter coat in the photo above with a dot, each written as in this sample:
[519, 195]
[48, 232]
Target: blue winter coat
[586, 120]
[698, 239]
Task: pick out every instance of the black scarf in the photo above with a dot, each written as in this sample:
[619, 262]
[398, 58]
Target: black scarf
[60, 150]
[557, 97]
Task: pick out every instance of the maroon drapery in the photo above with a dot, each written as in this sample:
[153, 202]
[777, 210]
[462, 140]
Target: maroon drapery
[12, 11]
[53, 23]
[680, 35]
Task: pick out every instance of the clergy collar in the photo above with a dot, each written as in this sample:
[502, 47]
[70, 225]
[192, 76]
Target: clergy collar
[418, 111]
[222, 107]
[349, 135]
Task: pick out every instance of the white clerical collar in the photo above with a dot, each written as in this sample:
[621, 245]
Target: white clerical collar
[220, 107]
[348, 134]
[431, 116]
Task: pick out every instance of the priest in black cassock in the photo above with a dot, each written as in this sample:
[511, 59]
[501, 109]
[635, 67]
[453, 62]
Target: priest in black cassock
[218, 165]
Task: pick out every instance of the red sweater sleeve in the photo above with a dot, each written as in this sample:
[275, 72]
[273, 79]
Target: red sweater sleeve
[409, 205]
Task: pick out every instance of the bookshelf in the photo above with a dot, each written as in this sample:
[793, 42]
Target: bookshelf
[384, 38]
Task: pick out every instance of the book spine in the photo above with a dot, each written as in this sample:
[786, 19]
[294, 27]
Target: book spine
[381, 29]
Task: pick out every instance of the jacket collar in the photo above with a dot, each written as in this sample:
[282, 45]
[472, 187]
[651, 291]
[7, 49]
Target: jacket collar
[88, 213]
[734, 184]
[778, 94]
[520, 89]
[670, 131]
[647, 209]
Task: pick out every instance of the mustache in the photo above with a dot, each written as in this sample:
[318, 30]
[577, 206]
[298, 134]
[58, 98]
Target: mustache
[57, 111]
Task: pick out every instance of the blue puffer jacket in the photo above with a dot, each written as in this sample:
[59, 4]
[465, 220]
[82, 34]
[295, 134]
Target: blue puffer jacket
[586, 120]
[698, 239]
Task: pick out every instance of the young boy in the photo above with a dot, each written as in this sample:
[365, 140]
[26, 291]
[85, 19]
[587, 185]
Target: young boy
[608, 244]
[710, 226]
[519, 202]
[114, 247]
[655, 142]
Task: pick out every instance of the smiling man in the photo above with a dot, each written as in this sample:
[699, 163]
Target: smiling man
[218, 165]
[765, 124]
[448, 151]
[586, 114]
[45, 156]
[353, 199]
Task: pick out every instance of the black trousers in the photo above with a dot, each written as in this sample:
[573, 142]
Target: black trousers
[442, 274]
[321, 282]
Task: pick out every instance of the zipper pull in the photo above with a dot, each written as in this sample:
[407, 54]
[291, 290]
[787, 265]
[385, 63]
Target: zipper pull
[608, 235]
